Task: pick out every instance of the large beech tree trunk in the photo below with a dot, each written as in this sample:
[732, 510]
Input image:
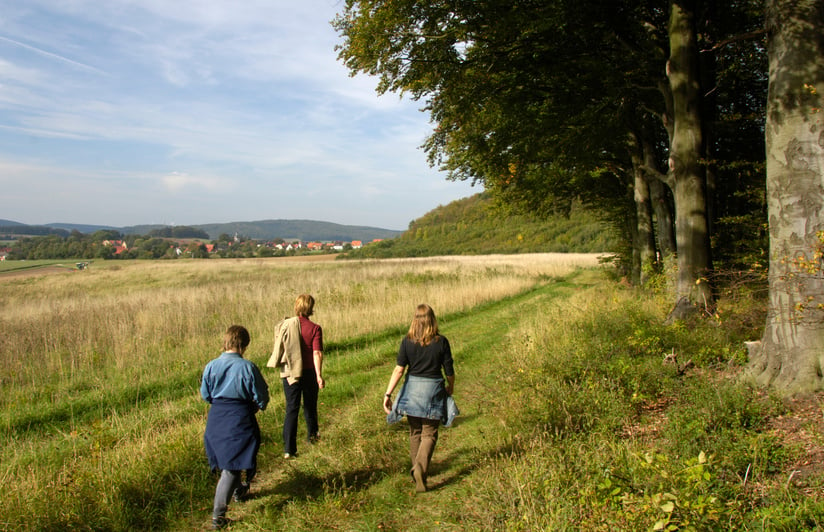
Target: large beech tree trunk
[790, 355]
[687, 173]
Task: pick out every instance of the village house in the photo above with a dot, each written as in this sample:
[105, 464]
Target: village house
[297, 244]
[118, 245]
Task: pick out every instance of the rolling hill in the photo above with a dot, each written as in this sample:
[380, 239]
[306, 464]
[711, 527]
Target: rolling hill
[303, 230]
[477, 226]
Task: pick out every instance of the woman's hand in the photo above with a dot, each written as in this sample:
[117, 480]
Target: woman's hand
[397, 373]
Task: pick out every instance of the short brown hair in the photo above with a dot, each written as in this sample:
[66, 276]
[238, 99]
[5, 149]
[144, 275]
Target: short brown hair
[304, 305]
[236, 338]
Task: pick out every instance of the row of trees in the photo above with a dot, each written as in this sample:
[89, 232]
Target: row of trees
[82, 246]
[104, 245]
[639, 108]
[651, 112]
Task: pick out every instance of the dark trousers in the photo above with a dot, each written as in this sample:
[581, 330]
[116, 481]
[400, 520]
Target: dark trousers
[307, 388]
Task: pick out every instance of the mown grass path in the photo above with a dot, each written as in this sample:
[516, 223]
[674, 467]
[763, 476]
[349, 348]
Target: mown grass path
[357, 477]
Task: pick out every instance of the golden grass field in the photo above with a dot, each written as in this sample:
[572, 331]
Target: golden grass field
[99, 368]
[115, 314]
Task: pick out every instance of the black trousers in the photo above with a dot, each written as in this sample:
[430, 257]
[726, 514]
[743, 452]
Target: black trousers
[305, 388]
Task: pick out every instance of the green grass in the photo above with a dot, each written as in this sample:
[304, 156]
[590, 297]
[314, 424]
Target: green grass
[551, 387]
[570, 421]
[17, 265]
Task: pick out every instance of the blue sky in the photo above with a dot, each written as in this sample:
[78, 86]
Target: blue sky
[186, 112]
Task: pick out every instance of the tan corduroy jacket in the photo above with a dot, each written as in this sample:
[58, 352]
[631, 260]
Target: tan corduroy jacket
[286, 353]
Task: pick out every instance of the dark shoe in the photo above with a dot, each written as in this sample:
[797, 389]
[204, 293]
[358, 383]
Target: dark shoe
[241, 492]
[315, 438]
[219, 522]
[420, 481]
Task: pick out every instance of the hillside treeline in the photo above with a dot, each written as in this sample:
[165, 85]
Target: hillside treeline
[181, 231]
[13, 231]
[478, 225]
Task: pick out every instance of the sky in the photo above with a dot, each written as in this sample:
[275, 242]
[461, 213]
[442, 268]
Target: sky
[188, 112]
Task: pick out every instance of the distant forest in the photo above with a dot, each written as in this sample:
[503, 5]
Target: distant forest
[10, 232]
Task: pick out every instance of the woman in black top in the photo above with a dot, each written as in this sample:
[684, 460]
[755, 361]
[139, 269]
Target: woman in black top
[425, 393]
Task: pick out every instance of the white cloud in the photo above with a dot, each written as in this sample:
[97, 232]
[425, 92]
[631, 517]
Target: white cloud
[177, 181]
[244, 100]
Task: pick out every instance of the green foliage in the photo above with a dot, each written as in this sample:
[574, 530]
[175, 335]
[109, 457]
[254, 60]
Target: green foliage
[539, 101]
[610, 436]
[477, 225]
[679, 496]
[709, 415]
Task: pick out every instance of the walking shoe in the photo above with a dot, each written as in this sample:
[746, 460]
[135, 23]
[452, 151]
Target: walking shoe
[420, 481]
[219, 522]
[241, 492]
[289, 456]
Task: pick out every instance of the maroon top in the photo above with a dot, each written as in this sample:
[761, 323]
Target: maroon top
[311, 339]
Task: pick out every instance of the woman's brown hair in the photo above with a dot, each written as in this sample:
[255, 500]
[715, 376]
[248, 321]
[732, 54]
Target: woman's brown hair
[424, 325]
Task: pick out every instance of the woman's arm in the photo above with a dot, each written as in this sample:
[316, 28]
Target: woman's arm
[450, 384]
[317, 356]
[397, 373]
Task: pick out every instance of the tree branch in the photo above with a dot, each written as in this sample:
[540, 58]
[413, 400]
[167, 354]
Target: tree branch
[737, 38]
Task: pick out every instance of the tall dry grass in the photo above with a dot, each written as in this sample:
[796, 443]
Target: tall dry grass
[99, 369]
[60, 327]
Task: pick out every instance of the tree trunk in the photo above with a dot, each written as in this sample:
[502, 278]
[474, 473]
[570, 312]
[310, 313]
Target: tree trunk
[790, 355]
[643, 244]
[664, 225]
[661, 205]
[693, 289]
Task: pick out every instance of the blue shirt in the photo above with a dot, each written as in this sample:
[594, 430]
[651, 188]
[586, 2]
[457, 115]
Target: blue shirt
[232, 377]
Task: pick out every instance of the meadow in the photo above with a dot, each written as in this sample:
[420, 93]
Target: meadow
[571, 419]
[30, 265]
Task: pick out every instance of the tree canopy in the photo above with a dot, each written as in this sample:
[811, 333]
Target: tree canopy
[546, 103]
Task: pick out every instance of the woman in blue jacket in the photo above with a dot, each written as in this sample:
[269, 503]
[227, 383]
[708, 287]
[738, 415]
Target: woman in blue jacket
[426, 396]
[236, 390]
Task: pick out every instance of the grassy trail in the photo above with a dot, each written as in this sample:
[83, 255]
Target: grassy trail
[357, 477]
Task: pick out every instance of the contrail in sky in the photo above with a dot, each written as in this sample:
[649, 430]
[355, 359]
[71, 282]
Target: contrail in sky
[53, 56]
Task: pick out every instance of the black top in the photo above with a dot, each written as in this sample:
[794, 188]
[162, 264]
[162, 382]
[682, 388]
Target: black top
[427, 361]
